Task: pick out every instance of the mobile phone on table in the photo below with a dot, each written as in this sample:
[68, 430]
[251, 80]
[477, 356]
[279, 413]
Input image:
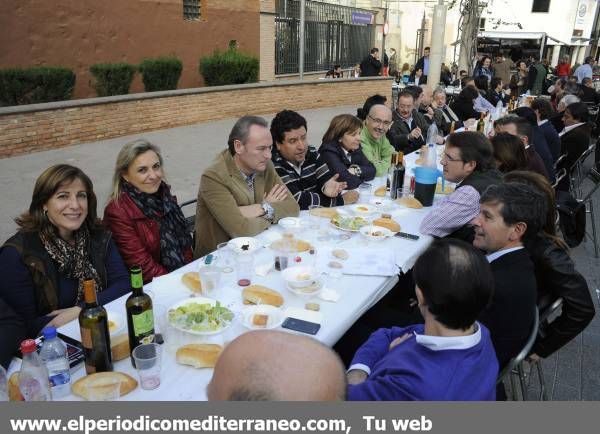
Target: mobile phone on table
[300, 325]
[407, 236]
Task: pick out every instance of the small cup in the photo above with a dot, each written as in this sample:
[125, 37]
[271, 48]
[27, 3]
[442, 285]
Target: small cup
[210, 277]
[147, 364]
[225, 257]
[244, 269]
[108, 391]
[314, 220]
[364, 190]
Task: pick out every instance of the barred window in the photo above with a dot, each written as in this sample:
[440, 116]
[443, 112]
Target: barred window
[191, 9]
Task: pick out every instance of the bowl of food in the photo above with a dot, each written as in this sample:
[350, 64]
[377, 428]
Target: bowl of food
[363, 209]
[376, 233]
[300, 277]
[244, 244]
[200, 316]
[290, 224]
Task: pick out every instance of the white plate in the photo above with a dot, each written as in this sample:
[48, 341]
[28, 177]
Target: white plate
[274, 321]
[199, 300]
[118, 322]
[363, 209]
[381, 203]
[302, 292]
[367, 231]
[237, 243]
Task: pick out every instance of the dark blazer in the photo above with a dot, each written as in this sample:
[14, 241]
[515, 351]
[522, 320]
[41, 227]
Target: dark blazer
[535, 162]
[556, 276]
[444, 117]
[589, 95]
[542, 148]
[464, 109]
[557, 121]
[510, 315]
[338, 162]
[552, 138]
[493, 97]
[370, 67]
[398, 133]
[574, 143]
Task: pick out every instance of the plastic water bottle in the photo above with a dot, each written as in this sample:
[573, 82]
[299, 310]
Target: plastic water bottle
[432, 133]
[499, 108]
[33, 377]
[54, 355]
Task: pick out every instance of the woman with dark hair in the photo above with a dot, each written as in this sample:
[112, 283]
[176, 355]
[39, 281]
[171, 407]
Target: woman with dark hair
[342, 152]
[575, 137]
[484, 68]
[60, 243]
[143, 215]
[544, 111]
[464, 103]
[448, 358]
[509, 152]
[556, 275]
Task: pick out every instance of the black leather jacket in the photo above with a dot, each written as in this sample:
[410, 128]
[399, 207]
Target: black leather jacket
[556, 277]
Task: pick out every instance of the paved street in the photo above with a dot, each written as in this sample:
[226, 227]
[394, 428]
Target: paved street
[571, 374]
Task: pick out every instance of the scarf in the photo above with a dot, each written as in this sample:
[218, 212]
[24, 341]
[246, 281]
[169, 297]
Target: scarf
[162, 207]
[73, 260]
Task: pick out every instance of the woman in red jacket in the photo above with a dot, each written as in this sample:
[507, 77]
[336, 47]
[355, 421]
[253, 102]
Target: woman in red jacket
[147, 224]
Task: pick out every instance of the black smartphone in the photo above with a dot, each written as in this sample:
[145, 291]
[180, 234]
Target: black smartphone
[407, 236]
[301, 325]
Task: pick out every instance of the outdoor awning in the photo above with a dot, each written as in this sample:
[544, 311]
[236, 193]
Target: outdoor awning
[512, 35]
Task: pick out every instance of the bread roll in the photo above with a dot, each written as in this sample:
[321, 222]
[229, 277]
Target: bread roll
[119, 347]
[380, 191]
[340, 254]
[409, 202]
[100, 382]
[291, 244]
[324, 212]
[14, 393]
[192, 281]
[199, 355]
[388, 223]
[257, 294]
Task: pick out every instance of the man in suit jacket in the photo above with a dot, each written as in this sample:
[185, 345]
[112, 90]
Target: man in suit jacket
[240, 193]
[510, 213]
[409, 129]
[575, 137]
[443, 115]
[371, 65]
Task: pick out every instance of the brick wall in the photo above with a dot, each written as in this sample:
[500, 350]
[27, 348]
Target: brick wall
[25, 129]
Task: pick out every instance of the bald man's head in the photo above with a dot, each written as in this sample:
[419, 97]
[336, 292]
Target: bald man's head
[378, 120]
[277, 366]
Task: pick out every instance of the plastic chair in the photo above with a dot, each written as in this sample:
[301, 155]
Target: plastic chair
[515, 365]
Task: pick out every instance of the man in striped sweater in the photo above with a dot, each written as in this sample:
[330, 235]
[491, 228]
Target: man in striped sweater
[300, 167]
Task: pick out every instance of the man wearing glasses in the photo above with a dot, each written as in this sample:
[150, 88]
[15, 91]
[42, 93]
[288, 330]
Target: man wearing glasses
[375, 144]
[406, 134]
[468, 160]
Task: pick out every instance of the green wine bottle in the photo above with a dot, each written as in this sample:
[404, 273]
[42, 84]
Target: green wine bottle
[93, 324]
[140, 318]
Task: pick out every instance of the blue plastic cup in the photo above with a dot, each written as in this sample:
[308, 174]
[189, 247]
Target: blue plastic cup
[425, 183]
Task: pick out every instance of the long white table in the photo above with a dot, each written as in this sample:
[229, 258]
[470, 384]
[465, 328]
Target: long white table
[357, 294]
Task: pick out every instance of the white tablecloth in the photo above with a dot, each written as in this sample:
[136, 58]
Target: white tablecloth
[357, 295]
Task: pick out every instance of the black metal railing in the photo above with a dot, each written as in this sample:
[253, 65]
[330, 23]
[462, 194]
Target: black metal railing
[332, 36]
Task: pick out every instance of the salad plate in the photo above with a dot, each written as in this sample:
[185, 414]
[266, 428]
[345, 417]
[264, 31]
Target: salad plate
[200, 316]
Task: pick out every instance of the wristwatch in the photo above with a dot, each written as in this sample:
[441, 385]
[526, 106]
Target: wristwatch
[269, 211]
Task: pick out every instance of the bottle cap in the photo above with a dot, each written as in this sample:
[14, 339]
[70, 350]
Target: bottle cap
[49, 332]
[28, 346]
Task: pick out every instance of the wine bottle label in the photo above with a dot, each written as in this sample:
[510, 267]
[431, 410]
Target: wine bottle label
[143, 323]
[86, 337]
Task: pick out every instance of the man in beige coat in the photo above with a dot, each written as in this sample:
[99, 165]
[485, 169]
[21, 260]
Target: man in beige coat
[240, 193]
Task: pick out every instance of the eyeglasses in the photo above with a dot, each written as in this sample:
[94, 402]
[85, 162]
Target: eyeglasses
[377, 121]
[448, 158]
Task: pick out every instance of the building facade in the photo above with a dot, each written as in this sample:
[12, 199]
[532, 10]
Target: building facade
[79, 33]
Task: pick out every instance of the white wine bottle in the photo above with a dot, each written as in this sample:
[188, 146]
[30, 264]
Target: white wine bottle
[140, 318]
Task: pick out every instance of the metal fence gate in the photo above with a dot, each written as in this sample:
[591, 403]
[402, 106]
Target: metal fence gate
[330, 34]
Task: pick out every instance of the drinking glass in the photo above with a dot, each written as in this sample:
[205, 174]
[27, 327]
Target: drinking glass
[147, 363]
[3, 385]
[210, 277]
[244, 269]
[364, 191]
[225, 257]
[314, 219]
[110, 390]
